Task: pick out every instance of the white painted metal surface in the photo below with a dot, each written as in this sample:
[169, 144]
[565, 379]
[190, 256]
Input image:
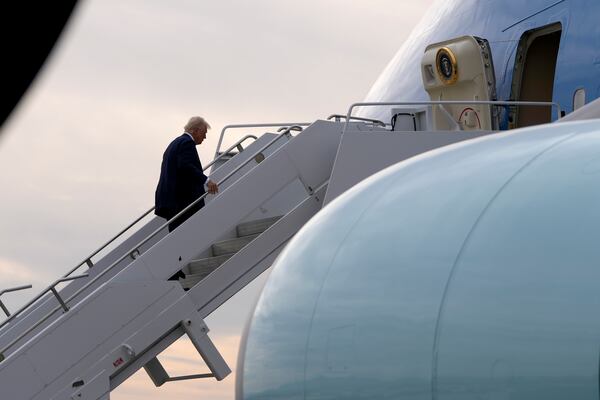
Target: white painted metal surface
[362, 154]
[40, 310]
[588, 111]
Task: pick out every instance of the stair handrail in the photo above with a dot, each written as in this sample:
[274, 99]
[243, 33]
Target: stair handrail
[338, 117]
[12, 289]
[442, 102]
[256, 125]
[88, 259]
[133, 253]
[223, 154]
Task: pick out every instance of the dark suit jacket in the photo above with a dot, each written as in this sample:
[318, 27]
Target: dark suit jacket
[181, 178]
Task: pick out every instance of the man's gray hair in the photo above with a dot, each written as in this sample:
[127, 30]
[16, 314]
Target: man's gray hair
[195, 123]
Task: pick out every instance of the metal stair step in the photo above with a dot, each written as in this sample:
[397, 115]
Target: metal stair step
[255, 227]
[223, 250]
[191, 280]
[207, 265]
[200, 269]
[231, 246]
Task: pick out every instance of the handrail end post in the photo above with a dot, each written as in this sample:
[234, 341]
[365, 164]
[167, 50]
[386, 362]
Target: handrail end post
[4, 309]
[348, 118]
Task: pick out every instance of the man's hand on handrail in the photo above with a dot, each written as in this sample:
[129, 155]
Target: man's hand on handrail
[213, 188]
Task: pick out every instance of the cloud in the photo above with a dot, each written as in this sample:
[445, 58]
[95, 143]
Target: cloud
[15, 273]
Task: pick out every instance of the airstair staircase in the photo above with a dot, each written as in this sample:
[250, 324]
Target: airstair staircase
[83, 340]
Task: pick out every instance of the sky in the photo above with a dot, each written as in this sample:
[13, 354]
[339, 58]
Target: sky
[80, 155]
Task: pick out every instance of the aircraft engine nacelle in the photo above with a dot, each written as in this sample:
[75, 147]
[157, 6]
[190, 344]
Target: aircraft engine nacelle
[470, 272]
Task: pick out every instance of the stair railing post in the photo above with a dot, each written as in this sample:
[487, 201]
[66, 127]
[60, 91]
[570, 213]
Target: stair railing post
[14, 289]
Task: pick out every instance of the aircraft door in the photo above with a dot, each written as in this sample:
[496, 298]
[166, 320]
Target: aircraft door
[460, 69]
[533, 74]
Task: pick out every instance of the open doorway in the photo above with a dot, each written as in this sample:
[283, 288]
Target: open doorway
[533, 75]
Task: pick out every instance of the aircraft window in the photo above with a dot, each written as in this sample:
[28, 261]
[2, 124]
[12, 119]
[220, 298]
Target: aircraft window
[578, 98]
